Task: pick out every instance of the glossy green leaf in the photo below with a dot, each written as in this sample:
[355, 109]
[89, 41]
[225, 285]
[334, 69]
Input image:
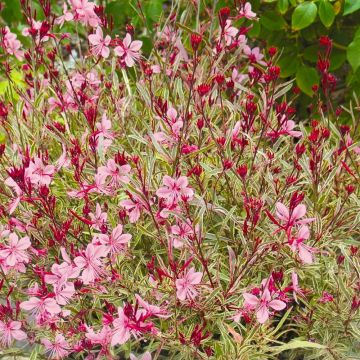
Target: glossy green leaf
[311, 53]
[283, 6]
[153, 9]
[306, 77]
[353, 53]
[337, 59]
[304, 15]
[351, 6]
[288, 64]
[272, 21]
[326, 13]
[12, 11]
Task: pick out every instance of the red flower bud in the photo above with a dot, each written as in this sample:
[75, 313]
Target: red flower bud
[325, 41]
[272, 51]
[203, 89]
[224, 14]
[200, 123]
[195, 40]
[300, 149]
[220, 78]
[242, 171]
[227, 164]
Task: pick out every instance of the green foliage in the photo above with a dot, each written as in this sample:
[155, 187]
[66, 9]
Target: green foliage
[351, 6]
[11, 12]
[326, 13]
[306, 77]
[303, 15]
[295, 26]
[353, 51]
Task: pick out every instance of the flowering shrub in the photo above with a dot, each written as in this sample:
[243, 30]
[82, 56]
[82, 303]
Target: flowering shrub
[172, 207]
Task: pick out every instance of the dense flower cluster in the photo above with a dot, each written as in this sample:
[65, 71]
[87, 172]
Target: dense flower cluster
[172, 205]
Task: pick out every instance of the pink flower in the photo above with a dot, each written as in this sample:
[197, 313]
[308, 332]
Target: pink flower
[116, 242]
[175, 189]
[118, 173]
[64, 292]
[129, 50]
[229, 32]
[349, 141]
[185, 287]
[90, 263]
[151, 310]
[297, 245]
[35, 26]
[10, 331]
[293, 218]
[58, 349]
[99, 43]
[246, 11]
[15, 187]
[38, 173]
[326, 297]
[122, 330]
[63, 289]
[254, 55]
[288, 126]
[295, 286]
[99, 218]
[41, 306]
[103, 337]
[85, 12]
[14, 252]
[60, 273]
[67, 16]
[263, 304]
[237, 77]
[134, 207]
[12, 45]
[104, 127]
[182, 231]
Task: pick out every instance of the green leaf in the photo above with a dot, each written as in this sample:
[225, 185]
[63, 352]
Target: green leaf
[34, 354]
[310, 53]
[288, 64]
[351, 6]
[2, 138]
[255, 30]
[17, 78]
[119, 11]
[298, 344]
[283, 6]
[353, 53]
[337, 58]
[12, 11]
[153, 9]
[272, 21]
[303, 15]
[306, 77]
[326, 13]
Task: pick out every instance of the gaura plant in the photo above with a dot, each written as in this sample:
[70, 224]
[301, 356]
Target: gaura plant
[172, 207]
